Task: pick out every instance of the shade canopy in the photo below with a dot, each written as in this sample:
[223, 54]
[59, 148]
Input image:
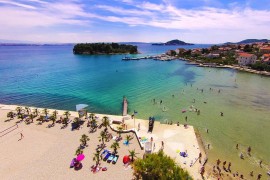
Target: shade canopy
[81, 106]
[126, 159]
[80, 157]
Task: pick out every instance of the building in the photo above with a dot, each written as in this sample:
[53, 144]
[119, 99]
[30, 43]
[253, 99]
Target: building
[246, 58]
[265, 50]
[266, 58]
[212, 55]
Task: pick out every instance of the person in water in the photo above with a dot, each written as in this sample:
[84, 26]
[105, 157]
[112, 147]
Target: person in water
[221, 113]
[249, 150]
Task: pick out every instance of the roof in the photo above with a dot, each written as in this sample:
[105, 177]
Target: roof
[246, 54]
[266, 55]
[265, 48]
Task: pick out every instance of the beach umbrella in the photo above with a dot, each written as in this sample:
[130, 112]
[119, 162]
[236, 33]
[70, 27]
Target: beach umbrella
[126, 159]
[81, 106]
[80, 157]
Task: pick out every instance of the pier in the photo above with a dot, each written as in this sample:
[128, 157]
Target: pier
[125, 106]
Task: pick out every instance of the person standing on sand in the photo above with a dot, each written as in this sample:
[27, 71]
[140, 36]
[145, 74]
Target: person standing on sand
[21, 137]
[259, 176]
[260, 163]
[251, 173]
[236, 146]
[249, 150]
[200, 157]
[218, 162]
[162, 145]
[229, 166]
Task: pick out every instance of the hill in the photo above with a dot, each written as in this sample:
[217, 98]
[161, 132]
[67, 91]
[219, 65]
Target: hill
[248, 41]
[174, 42]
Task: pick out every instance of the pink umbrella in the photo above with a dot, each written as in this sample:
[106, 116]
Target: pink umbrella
[80, 157]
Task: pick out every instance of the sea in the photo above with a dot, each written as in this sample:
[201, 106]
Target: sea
[53, 77]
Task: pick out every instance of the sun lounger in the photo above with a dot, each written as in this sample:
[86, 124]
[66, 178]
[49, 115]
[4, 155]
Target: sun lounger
[115, 159]
[107, 156]
[110, 158]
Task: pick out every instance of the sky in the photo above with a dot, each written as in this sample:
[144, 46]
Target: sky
[193, 21]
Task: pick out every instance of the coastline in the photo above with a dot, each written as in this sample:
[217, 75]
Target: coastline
[192, 62]
[176, 139]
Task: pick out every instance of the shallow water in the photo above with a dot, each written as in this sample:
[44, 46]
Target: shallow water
[51, 76]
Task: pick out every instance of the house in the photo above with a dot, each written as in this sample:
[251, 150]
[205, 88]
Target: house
[212, 55]
[265, 50]
[266, 58]
[180, 51]
[246, 58]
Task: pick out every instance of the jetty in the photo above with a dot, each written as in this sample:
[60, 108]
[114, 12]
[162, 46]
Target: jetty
[125, 106]
[162, 57]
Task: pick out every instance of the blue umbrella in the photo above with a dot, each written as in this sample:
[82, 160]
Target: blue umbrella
[81, 106]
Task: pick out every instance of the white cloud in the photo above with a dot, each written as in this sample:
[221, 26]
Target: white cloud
[17, 4]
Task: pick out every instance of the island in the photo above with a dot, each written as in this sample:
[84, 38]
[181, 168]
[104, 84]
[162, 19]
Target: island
[174, 42]
[104, 48]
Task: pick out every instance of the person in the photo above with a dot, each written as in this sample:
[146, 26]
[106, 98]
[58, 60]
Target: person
[207, 130]
[259, 176]
[21, 137]
[241, 176]
[241, 155]
[151, 140]
[186, 118]
[260, 163]
[202, 90]
[162, 145]
[219, 91]
[202, 171]
[229, 166]
[173, 95]
[208, 146]
[200, 157]
[249, 150]
[224, 163]
[236, 146]
[221, 113]
[251, 173]
[218, 162]
[177, 123]
[198, 112]
[160, 101]
[154, 147]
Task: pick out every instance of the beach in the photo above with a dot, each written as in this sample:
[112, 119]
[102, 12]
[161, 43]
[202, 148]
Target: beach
[45, 153]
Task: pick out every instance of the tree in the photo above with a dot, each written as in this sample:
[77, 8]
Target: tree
[27, 109]
[102, 137]
[31, 116]
[78, 151]
[10, 115]
[92, 116]
[158, 166]
[21, 116]
[115, 146]
[36, 111]
[120, 130]
[128, 138]
[84, 139]
[105, 121]
[67, 114]
[97, 157]
[46, 111]
[132, 154]
[19, 110]
[55, 114]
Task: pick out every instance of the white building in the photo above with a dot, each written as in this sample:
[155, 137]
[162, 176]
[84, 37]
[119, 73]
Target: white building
[246, 58]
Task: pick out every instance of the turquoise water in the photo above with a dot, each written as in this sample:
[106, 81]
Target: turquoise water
[51, 76]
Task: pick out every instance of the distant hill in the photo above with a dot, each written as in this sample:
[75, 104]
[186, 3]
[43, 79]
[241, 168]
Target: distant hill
[248, 41]
[174, 42]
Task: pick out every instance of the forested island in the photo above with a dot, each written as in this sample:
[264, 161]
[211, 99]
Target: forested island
[104, 48]
[174, 42]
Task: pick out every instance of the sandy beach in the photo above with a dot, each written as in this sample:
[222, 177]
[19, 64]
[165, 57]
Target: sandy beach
[45, 153]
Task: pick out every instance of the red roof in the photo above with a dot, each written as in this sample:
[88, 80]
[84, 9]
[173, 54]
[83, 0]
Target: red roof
[245, 54]
[265, 48]
[266, 55]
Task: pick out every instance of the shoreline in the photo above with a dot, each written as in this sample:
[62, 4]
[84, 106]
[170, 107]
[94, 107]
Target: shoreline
[176, 138]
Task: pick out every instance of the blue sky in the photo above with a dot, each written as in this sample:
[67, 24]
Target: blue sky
[196, 21]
